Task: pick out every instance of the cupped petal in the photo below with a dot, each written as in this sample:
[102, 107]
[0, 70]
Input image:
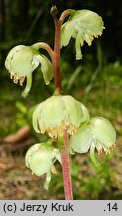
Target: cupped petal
[10, 55]
[86, 116]
[82, 140]
[29, 153]
[22, 60]
[40, 158]
[88, 22]
[73, 110]
[103, 131]
[41, 162]
[53, 111]
[66, 33]
[36, 115]
[46, 68]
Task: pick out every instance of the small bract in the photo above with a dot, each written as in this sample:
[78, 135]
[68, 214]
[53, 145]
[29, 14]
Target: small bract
[98, 134]
[22, 60]
[83, 25]
[58, 113]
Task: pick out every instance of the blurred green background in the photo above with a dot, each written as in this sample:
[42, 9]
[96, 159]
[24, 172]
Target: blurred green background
[96, 81]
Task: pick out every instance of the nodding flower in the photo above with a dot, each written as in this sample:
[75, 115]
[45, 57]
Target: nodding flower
[82, 25]
[59, 113]
[98, 134]
[40, 158]
[22, 60]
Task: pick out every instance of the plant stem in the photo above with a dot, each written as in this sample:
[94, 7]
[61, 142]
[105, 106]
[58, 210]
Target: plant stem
[65, 14]
[64, 148]
[66, 169]
[45, 46]
[57, 74]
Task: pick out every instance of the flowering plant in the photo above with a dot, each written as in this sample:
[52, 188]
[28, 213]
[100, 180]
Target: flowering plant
[62, 117]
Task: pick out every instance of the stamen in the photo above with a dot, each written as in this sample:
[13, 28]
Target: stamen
[16, 79]
[11, 75]
[21, 80]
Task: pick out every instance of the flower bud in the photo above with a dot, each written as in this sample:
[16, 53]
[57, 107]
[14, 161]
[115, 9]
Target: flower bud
[22, 61]
[98, 134]
[83, 25]
[41, 157]
[58, 113]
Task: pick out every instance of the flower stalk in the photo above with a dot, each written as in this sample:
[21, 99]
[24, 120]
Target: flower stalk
[45, 46]
[66, 169]
[57, 74]
[57, 77]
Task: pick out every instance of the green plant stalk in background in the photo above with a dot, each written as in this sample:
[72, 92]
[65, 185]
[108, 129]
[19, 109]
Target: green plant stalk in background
[64, 119]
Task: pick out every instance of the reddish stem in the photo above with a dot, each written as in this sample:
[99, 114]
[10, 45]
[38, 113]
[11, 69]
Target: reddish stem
[57, 74]
[66, 169]
[65, 14]
[57, 78]
[42, 45]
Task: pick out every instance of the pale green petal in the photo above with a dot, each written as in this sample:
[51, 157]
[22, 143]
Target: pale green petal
[10, 55]
[35, 117]
[92, 155]
[66, 33]
[29, 153]
[99, 146]
[78, 46]
[46, 68]
[85, 117]
[41, 162]
[103, 131]
[47, 181]
[53, 111]
[73, 110]
[57, 155]
[28, 86]
[82, 140]
[88, 22]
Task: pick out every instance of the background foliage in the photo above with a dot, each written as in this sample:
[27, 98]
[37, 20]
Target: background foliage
[96, 81]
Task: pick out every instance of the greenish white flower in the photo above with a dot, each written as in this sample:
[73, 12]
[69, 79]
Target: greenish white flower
[22, 60]
[83, 25]
[58, 113]
[98, 134]
[40, 158]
